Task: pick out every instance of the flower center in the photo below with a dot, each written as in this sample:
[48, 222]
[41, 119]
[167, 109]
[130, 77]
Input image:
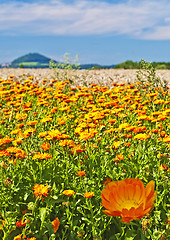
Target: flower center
[128, 204]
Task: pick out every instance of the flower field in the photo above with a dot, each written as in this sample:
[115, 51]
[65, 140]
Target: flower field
[84, 162]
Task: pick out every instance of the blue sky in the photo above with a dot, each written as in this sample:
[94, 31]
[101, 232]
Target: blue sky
[99, 31]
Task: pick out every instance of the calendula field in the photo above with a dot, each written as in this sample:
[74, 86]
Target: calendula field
[84, 162]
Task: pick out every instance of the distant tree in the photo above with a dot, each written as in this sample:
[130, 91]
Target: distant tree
[96, 67]
[128, 65]
[136, 65]
[21, 65]
[161, 66]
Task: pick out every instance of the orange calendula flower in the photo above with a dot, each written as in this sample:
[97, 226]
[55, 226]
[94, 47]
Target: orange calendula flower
[159, 155]
[24, 212]
[31, 123]
[127, 144]
[68, 192]
[42, 156]
[5, 140]
[112, 121]
[124, 125]
[116, 144]
[21, 223]
[81, 173]
[163, 167]
[142, 136]
[40, 190]
[128, 199]
[64, 143]
[45, 146]
[166, 139]
[4, 153]
[19, 237]
[118, 158]
[88, 194]
[55, 224]
[47, 119]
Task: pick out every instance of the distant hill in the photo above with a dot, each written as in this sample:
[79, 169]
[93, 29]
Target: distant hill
[31, 60]
[36, 60]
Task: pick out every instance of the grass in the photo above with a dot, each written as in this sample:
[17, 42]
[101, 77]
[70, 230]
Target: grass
[33, 64]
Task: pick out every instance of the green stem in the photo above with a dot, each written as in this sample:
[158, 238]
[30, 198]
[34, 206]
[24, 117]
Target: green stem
[42, 223]
[117, 225]
[33, 211]
[6, 234]
[89, 204]
[69, 216]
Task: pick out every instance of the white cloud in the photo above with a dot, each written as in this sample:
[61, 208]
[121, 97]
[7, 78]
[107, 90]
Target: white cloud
[159, 33]
[139, 19]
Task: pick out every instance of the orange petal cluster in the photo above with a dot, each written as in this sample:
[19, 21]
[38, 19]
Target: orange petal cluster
[40, 190]
[128, 199]
[68, 192]
[88, 194]
[81, 173]
[55, 224]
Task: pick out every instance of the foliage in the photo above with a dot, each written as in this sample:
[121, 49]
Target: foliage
[136, 65]
[66, 66]
[147, 75]
[21, 65]
[128, 65]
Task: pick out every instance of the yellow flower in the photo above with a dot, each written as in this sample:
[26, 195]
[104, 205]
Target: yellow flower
[31, 123]
[124, 125]
[163, 167]
[116, 144]
[47, 119]
[68, 192]
[88, 194]
[142, 136]
[41, 156]
[166, 139]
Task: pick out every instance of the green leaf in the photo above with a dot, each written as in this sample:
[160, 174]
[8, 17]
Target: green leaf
[55, 197]
[26, 196]
[50, 228]
[45, 237]
[86, 219]
[42, 213]
[130, 235]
